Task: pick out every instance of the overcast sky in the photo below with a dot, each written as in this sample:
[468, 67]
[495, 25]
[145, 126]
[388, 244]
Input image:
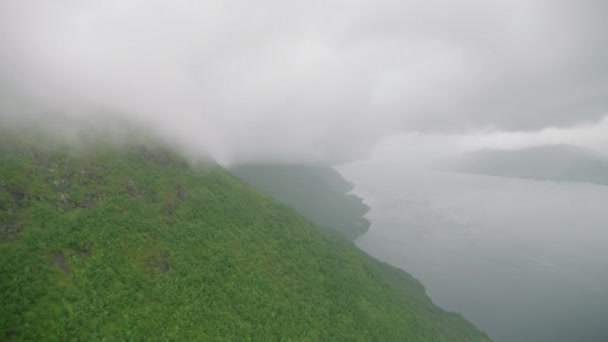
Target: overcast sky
[317, 80]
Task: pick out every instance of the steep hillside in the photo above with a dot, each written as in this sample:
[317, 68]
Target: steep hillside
[554, 162]
[133, 243]
[317, 192]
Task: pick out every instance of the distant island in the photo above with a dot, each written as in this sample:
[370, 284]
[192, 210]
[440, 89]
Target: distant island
[560, 163]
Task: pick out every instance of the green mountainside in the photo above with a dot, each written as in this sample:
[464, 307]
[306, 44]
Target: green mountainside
[134, 243]
[317, 192]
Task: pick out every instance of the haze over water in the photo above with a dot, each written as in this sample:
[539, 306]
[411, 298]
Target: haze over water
[524, 260]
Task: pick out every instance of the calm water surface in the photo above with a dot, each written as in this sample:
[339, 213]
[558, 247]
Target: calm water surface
[524, 260]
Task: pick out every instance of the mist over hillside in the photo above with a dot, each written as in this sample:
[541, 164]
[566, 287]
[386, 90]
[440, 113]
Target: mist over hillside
[323, 81]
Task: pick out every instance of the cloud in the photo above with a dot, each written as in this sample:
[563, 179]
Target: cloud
[315, 80]
[424, 149]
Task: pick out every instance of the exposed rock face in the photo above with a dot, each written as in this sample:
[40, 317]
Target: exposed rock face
[161, 262]
[58, 259]
[9, 230]
[157, 156]
[181, 192]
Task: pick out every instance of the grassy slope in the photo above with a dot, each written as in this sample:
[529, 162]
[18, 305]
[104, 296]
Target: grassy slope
[135, 244]
[317, 192]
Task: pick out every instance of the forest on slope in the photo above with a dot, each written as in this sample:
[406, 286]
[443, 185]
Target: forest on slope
[132, 242]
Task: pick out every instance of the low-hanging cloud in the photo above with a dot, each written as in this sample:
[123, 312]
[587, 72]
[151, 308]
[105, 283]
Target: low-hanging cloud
[315, 80]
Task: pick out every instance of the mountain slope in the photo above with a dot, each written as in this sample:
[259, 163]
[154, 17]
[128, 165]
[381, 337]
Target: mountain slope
[317, 192]
[553, 162]
[133, 243]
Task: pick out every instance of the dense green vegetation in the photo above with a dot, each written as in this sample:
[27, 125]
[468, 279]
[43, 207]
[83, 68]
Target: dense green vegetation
[318, 192]
[133, 243]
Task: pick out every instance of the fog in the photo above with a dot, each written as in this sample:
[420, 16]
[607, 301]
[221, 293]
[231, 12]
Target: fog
[328, 81]
[322, 81]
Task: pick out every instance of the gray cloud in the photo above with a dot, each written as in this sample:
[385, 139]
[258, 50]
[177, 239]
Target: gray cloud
[316, 80]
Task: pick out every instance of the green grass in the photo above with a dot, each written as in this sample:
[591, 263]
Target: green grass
[133, 243]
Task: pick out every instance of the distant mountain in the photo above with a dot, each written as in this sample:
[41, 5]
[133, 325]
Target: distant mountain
[564, 163]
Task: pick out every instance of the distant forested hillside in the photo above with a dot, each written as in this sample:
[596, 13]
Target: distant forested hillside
[562, 163]
[318, 192]
[134, 243]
